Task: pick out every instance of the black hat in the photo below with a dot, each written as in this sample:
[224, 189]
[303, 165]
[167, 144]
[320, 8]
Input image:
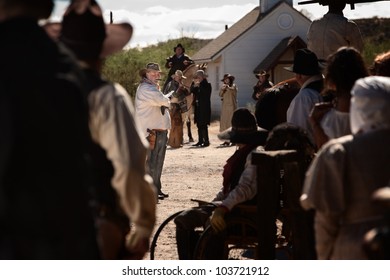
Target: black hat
[179, 46]
[244, 129]
[305, 63]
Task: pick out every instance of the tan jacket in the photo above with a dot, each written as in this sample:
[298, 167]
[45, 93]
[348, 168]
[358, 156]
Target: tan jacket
[115, 129]
[327, 34]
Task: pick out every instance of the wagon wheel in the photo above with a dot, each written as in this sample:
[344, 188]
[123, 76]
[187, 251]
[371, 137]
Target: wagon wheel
[165, 238]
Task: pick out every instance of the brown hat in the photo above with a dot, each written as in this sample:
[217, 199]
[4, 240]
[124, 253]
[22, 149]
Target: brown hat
[228, 76]
[83, 30]
[262, 73]
[244, 129]
[151, 66]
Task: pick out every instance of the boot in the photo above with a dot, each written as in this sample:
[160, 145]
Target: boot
[200, 138]
[205, 134]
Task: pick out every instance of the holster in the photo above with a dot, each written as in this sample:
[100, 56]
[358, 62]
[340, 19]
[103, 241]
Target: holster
[151, 138]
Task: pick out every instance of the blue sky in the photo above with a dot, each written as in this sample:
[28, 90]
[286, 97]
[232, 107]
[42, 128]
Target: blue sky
[157, 21]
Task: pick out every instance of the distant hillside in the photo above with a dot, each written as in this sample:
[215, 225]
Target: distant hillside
[124, 67]
[376, 36]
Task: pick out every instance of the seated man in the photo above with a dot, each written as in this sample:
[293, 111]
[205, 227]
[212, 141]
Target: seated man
[239, 179]
[239, 182]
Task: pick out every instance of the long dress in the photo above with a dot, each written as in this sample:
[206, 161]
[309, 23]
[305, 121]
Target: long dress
[229, 105]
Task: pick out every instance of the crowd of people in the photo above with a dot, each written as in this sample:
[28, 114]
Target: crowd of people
[81, 166]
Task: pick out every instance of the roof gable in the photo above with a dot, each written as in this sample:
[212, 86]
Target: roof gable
[227, 37]
[273, 57]
[212, 49]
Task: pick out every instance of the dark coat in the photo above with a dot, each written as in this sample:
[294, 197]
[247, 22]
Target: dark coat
[177, 63]
[44, 211]
[202, 103]
[260, 87]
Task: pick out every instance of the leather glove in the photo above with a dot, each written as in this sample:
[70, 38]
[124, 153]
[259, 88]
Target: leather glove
[218, 219]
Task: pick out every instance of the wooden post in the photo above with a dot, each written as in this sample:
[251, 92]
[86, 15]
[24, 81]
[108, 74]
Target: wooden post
[111, 18]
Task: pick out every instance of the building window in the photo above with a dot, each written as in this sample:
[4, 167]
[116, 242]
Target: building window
[285, 21]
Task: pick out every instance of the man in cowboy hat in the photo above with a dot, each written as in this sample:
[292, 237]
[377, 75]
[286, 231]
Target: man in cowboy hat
[44, 209]
[262, 84]
[308, 75]
[152, 111]
[119, 148]
[239, 184]
[178, 61]
[201, 89]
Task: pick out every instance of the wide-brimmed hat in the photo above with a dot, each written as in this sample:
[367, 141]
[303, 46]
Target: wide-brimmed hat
[262, 73]
[180, 74]
[305, 63]
[228, 76]
[244, 129]
[151, 66]
[83, 30]
[200, 73]
[179, 46]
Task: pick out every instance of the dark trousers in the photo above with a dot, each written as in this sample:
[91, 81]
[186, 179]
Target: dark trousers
[203, 134]
[155, 158]
[187, 237]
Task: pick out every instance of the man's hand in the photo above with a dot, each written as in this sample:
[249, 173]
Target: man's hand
[318, 112]
[136, 245]
[218, 219]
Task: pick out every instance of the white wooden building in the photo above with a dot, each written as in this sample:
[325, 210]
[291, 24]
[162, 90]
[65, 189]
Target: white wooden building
[266, 38]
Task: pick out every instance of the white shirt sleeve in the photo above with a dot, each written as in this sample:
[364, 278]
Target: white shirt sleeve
[246, 188]
[115, 128]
